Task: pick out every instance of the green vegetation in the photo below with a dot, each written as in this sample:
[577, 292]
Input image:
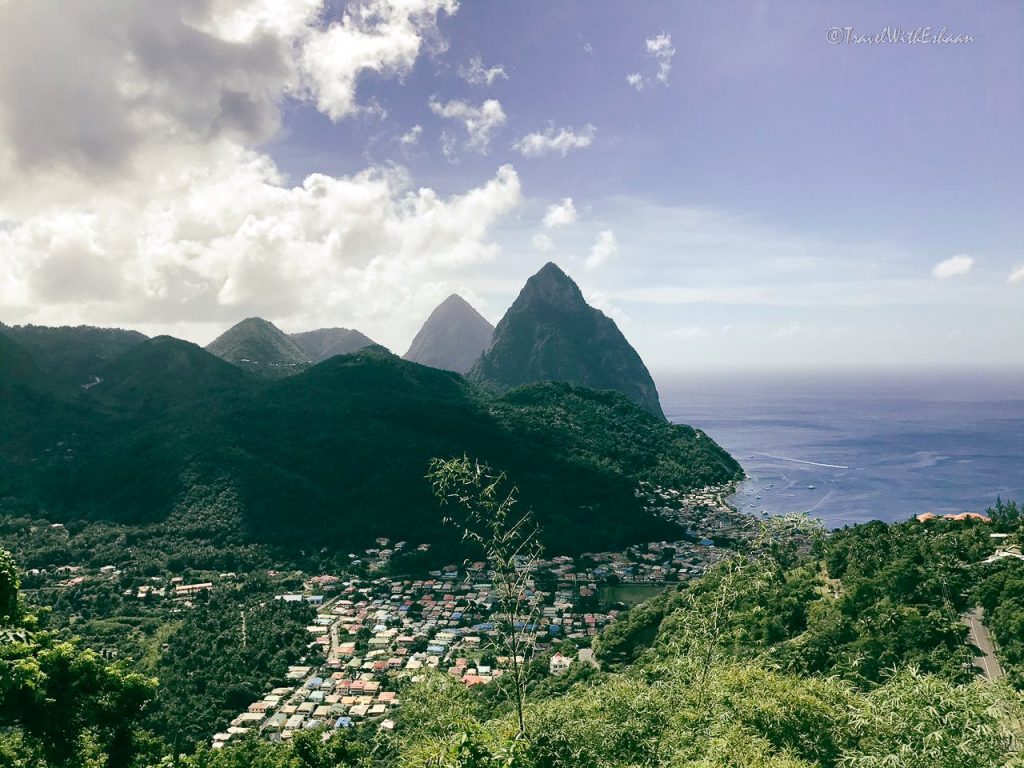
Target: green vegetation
[866, 601]
[260, 347]
[301, 461]
[484, 509]
[803, 651]
[225, 654]
[72, 356]
[61, 705]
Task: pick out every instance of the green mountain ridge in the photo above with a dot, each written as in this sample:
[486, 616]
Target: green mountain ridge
[335, 455]
[72, 355]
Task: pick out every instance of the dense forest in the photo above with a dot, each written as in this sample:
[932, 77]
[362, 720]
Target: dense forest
[807, 650]
[331, 457]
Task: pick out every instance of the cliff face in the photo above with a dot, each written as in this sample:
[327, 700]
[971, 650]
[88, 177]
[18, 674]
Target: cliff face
[452, 338]
[550, 333]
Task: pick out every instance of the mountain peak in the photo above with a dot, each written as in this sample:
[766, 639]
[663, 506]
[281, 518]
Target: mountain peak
[452, 338]
[550, 333]
[550, 283]
[325, 343]
[260, 346]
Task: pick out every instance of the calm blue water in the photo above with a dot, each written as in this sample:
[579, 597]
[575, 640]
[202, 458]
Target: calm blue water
[872, 447]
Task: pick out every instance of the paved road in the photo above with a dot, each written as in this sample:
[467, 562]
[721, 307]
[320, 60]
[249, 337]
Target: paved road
[979, 637]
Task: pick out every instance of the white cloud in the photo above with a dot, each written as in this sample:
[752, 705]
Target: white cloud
[542, 242]
[661, 48]
[954, 266]
[480, 122]
[383, 36]
[635, 80]
[231, 240]
[475, 73]
[1016, 276]
[560, 140]
[560, 214]
[605, 249]
[689, 332]
[600, 300]
[181, 75]
[412, 136]
[133, 193]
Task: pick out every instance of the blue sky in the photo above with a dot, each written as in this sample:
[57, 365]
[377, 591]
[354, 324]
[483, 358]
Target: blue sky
[757, 196]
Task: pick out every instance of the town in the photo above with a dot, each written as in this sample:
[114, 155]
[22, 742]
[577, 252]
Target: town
[376, 633]
[378, 628]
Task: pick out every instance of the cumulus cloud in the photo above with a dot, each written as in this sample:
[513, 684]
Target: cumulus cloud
[954, 266]
[542, 242]
[560, 214]
[233, 236]
[635, 80]
[1016, 276]
[480, 122]
[183, 73]
[604, 249]
[384, 36]
[661, 48]
[553, 139]
[475, 73]
[134, 192]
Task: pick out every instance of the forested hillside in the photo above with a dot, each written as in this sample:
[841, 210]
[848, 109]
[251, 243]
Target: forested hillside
[849, 653]
[333, 456]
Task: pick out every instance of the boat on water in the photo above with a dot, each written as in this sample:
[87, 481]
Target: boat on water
[810, 487]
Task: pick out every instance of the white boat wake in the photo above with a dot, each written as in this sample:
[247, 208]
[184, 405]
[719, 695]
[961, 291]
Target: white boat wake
[801, 461]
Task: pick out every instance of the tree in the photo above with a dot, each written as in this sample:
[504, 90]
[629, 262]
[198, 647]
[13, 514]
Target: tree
[484, 505]
[64, 706]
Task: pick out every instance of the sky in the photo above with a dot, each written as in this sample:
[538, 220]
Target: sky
[739, 185]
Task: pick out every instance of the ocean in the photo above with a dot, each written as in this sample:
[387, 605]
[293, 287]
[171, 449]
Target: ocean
[849, 448]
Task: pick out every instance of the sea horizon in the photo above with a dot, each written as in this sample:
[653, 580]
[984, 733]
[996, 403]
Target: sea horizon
[848, 447]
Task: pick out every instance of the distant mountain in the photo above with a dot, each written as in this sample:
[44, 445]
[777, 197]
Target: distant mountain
[324, 343]
[72, 356]
[261, 347]
[550, 333]
[452, 338]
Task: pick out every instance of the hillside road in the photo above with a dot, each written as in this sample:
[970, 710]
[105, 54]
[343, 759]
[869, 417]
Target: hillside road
[978, 635]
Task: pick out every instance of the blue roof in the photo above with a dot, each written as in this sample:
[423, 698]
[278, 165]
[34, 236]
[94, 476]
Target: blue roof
[343, 722]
